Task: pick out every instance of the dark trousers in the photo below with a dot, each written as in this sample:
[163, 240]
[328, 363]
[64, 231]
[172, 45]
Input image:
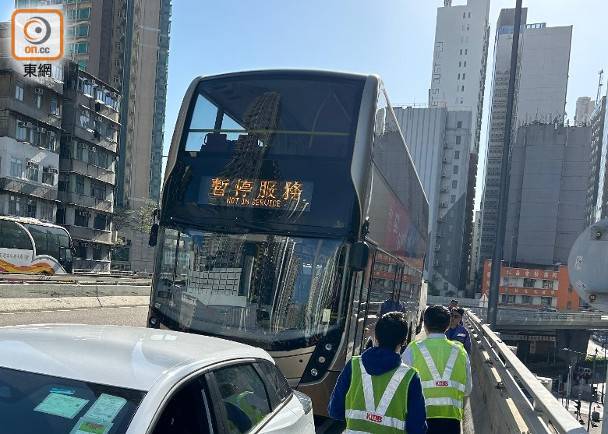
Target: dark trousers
[443, 426]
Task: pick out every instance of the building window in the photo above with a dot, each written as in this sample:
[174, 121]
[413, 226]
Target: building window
[461, 51]
[46, 212]
[14, 205]
[466, 51]
[19, 92]
[98, 190]
[52, 141]
[456, 155]
[459, 76]
[465, 63]
[459, 64]
[464, 75]
[455, 170]
[85, 120]
[462, 88]
[54, 107]
[81, 250]
[101, 222]
[16, 168]
[31, 208]
[526, 299]
[459, 124]
[97, 252]
[548, 284]
[31, 171]
[458, 139]
[48, 175]
[529, 283]
[80, 151]
[454, 184]
[453, 198]
[102, 159]
[21, 132]
[60, 216]
[469, 14]
[546, 301]
[64, 181]
[81, 218]
[79, 184]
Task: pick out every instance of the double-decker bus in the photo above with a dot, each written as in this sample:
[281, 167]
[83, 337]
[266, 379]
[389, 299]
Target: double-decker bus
[31, 246]
[291, 210]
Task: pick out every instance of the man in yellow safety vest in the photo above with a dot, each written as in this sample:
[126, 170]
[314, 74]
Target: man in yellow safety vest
[445, 372]
[377, 393]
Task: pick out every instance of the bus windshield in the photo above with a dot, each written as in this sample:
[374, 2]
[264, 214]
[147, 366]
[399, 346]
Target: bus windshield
[269, 148]
[275, 292]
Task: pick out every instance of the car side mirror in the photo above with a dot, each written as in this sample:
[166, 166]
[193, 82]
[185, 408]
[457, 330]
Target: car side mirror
[359, 256]
[153, 235]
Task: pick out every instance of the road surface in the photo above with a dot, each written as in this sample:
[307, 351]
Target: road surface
[128, 316]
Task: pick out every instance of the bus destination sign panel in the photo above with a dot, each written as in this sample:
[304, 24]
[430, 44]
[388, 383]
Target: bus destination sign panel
[288, 195]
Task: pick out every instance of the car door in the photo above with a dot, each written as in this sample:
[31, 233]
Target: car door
[292, 414]
[188, 411]
[245, 404]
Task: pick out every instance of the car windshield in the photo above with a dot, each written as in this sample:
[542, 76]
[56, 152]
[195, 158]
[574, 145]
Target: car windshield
[272, 291]
[35, 403]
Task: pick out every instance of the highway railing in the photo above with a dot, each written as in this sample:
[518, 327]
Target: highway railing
[507, 397]
[528, 316]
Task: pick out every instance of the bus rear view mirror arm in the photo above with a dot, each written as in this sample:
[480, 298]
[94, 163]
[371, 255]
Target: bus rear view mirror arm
[359, 256]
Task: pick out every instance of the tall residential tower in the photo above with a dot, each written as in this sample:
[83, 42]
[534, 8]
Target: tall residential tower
[458, 84]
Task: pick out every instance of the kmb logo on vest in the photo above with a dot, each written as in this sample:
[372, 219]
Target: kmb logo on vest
[374, 417]
[37, 34]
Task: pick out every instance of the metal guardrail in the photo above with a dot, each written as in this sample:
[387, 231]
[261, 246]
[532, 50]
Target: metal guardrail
[527, 316]
[540, 410]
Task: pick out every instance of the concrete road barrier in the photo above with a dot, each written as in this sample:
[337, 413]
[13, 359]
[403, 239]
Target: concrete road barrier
[12, 305]
[40, 296]
[42, 290]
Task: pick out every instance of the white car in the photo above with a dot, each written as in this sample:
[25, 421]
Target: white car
[76, 379]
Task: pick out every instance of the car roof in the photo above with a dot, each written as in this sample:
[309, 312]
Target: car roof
[128, 357]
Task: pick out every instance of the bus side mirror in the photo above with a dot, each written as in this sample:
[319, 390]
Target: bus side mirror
[153, 235]
[359, 256]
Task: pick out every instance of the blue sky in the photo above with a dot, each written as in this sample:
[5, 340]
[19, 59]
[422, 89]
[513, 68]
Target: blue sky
[393, 38]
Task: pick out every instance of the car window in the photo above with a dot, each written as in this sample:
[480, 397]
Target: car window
[36, 403]
[275, 381]
[187, 411]
[243, 396]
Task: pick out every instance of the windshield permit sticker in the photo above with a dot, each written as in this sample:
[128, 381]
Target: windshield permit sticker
[85, 426]
[61, 405]
[105, 409]
[291, 195]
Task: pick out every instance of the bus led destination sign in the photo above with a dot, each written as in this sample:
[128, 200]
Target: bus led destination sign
[257, 193]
